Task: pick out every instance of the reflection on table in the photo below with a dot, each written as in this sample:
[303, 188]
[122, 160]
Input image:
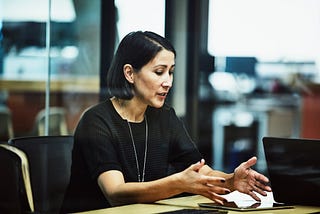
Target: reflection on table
[188, 202]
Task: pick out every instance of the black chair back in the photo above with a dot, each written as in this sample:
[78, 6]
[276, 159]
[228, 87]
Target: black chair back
[14, 181]
[6, 129]
[50, 165]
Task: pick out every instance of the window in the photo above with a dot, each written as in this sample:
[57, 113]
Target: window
[281, 35]
[270, 29]
[140, 15]
[65, 60]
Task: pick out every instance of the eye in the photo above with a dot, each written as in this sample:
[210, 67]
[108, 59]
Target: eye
[171, 71]
[159, 72]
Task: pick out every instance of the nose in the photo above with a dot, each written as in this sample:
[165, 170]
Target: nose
[167, 83]
[167, 80]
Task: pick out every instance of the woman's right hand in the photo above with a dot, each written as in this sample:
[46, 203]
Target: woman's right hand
[209, 186]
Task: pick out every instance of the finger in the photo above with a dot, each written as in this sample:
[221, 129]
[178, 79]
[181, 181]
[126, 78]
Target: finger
[254, 196]
[218, 199]
[249, 163]
[261, 178]
[197, 166]
[263, 186]
[217, 181]
[215, 197]
[218, 190]
[259, 190]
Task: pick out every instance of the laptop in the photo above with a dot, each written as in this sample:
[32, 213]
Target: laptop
[294, 169]
[245, 208]
[294, 173]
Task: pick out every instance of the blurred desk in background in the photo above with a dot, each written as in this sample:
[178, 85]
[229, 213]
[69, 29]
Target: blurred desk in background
[81, 84]
[26, 97]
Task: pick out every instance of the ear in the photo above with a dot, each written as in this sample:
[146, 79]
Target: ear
[128, 73]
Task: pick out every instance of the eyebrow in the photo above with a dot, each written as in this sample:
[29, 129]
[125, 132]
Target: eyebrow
[162, 65]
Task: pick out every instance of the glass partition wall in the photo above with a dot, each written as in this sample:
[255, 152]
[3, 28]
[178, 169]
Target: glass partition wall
[50, 59]
[49, 65]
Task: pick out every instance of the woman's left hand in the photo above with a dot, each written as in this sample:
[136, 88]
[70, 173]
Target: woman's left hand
[248, 181]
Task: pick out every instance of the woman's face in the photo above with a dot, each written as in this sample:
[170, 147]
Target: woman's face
[153, 82]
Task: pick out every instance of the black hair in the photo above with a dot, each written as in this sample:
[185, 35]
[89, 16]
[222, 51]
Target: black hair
[137, 49]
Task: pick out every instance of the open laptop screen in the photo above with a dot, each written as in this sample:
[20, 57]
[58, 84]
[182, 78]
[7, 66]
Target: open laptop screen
[294, 169]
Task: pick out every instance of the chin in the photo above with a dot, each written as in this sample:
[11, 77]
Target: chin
[157, 104]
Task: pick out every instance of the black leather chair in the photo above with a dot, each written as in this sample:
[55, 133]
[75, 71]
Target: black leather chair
[15, 188]
[6, 129]
[50, 164]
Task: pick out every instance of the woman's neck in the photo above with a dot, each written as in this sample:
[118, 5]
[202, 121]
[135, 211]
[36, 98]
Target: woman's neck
[129, 109]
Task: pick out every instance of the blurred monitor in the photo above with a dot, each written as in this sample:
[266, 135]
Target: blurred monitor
[241, 65]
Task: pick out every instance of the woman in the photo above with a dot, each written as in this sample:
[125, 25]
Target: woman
[132, 148]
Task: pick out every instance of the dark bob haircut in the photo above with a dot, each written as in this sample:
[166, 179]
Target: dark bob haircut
[137, 49]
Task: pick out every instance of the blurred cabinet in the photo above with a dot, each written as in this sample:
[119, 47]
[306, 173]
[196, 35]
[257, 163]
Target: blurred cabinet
[311, 113]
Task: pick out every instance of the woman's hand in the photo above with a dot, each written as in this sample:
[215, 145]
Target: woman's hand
[209, 186]
[247, 180]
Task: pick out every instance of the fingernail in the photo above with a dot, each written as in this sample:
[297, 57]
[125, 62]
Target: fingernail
[227, 191]
[223, 181]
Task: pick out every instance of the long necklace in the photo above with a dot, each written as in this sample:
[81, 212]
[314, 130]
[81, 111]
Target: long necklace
[135, 151]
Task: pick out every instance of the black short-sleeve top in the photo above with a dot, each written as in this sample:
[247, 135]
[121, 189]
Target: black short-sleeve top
[103, 142]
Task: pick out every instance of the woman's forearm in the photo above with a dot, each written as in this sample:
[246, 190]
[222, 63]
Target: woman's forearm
[146, 192]
[190, 180]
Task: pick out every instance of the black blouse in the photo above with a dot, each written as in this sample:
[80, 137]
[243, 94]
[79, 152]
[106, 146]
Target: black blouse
[103, 143]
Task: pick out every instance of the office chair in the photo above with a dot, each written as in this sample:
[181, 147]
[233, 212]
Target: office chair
[50, 165]
[6, 130]
[57, 122]
[15, 188]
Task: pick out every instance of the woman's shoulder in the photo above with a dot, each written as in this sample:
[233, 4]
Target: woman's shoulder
[101, 108]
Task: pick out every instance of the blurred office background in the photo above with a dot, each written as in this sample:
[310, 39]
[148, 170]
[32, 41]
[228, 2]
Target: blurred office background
[244, 69]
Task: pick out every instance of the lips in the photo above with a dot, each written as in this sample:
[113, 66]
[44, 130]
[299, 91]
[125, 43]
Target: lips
[164, 94]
